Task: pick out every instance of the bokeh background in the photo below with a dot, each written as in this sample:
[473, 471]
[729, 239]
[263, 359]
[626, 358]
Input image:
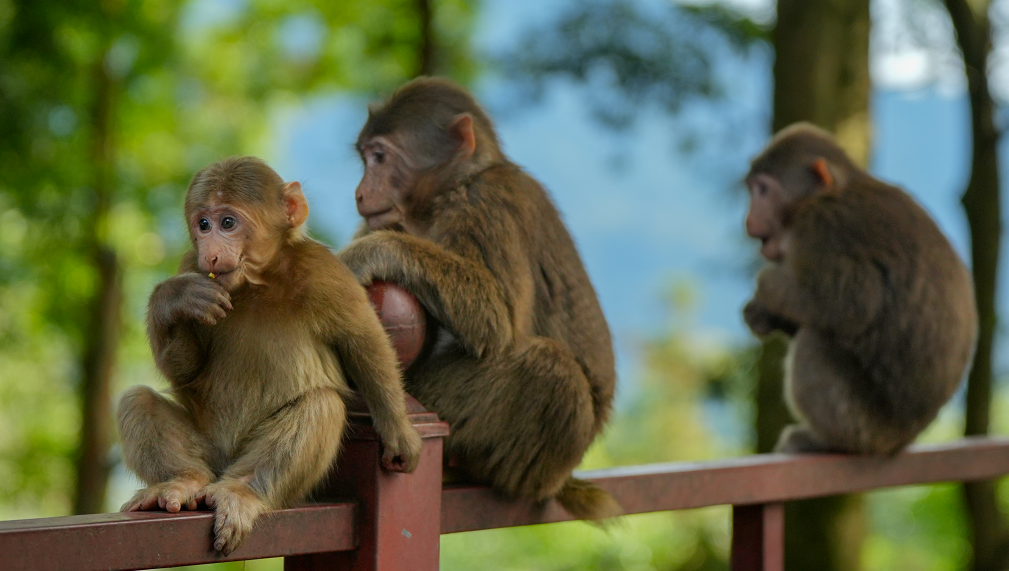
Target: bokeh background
[638, 115]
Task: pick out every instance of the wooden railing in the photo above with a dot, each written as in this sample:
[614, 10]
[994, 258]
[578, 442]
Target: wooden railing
[392, 522]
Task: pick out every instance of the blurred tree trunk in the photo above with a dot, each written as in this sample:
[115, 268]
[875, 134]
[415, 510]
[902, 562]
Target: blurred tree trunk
[990, 535]
[427, 50]
[102, 330]
[821, 75]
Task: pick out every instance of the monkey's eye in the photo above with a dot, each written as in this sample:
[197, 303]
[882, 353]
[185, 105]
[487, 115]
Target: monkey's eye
[761, 188]
[379, 157]
[204, 225]
[228, 223]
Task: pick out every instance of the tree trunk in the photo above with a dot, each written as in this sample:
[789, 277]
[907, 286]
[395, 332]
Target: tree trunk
[101, 334]
[821, 75]
[427, 48]
[990, 534]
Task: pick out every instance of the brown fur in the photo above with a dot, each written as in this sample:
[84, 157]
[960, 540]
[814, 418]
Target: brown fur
[880, 306]
[259, 370]
[525, 374]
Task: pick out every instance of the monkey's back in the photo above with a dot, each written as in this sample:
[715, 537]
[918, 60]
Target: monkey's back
[917, 348]
[523, 224]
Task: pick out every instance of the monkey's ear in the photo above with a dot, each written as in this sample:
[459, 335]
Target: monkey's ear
[822, 170]
[462, 129]
[295, 204]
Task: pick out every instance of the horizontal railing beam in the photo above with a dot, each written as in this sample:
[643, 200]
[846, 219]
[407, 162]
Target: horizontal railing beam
[758, 479]
[157, 539]
[145, 540]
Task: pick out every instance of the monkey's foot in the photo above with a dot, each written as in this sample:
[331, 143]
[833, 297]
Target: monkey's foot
[798, 439]
[237, 506]
[172, 496]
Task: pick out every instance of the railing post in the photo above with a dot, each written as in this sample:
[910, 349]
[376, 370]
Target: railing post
[399, 523]
[758, 537]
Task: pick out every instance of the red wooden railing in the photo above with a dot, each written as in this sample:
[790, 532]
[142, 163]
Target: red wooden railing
[392, 522]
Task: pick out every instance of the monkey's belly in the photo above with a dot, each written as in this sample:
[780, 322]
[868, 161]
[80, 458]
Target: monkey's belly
[238, 397]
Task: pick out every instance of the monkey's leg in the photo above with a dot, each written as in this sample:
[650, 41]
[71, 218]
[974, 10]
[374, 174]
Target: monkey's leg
[163, 447]
[521, 423]
[280, 462]
[828, 392]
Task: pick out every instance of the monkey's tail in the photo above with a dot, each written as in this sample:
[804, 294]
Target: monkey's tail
[585, 500]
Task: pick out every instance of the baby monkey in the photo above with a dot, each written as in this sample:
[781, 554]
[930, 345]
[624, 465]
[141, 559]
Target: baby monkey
[260, 335]
[879, 306]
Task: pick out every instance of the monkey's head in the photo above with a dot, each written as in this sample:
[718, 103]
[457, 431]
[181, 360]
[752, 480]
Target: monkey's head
[240, 213]
[801, 160]
[430, 134]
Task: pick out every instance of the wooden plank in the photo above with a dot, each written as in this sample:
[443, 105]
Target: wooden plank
[758, 479]
[143, 540]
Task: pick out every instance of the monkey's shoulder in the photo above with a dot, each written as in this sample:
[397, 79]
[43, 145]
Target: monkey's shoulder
[503, 189]
[862, 219]
[316, 275]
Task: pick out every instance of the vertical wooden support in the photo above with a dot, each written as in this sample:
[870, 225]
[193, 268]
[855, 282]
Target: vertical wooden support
[758, 537]
[399, 524]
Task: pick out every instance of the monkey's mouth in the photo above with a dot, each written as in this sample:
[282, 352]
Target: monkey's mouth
[224, 278]
[380, 218]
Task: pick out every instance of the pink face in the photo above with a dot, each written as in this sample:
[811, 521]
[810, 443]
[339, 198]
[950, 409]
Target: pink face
[764, 219]
[388, 176]
[220, 233]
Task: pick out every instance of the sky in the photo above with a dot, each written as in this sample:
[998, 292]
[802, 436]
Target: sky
[645, 215]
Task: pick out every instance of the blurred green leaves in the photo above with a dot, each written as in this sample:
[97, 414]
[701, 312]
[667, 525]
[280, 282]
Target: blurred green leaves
[629, 54]
[160, 89]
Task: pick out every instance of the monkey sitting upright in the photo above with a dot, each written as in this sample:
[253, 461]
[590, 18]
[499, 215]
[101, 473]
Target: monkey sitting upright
[879, 306]
[258, 335]
[524, 370]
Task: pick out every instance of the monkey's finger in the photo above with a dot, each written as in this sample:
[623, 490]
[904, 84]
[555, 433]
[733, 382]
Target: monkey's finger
[225, 301]
[208, 318]
[218, 311]
[192, 504]
[395, 463]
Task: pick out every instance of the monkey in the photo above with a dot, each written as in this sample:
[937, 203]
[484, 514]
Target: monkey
[878, 306]
[523, 367]
[260, 335]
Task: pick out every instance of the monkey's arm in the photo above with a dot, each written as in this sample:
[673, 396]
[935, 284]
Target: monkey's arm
[833, 280]
[777, 305]
[460, 292]
[177, 309]
[367, 358]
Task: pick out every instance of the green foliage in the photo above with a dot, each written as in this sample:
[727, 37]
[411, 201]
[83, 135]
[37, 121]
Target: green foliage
[106, 110]
[628, 54]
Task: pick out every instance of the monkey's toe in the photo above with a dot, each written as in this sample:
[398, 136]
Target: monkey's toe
[237, 508]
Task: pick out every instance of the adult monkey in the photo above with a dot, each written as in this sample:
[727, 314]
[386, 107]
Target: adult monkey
[880, 307]
[258, 334]
[526, 376]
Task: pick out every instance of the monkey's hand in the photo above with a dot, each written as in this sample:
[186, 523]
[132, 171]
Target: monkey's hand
[762, 322]
[237, 507]
[460, 293]
[401, 449]
[188, 296]
[172, 496]
[370, 258]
